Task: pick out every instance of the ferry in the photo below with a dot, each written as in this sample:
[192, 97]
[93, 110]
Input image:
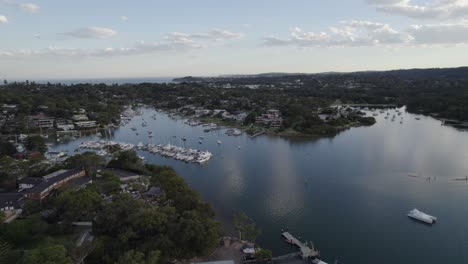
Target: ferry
[423, 217]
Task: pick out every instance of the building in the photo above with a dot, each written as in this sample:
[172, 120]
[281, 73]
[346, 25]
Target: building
[10, 205]
[124, 175]
[51, 182]
[41, 121]
[85, 124]
[80, 117]
[64, 124]
[271, 118]
[28, 182]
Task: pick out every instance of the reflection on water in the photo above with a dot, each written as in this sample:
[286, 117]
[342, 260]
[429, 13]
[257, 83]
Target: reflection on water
[349, 194]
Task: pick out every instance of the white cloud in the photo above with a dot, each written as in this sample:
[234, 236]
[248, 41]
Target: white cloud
[349, 33]
[3, 19]
[435, 9]
[215, 34]
[124, 18]
[30, 7]
[172, 42]
[92, 33]
[440, 33]
[357, 33]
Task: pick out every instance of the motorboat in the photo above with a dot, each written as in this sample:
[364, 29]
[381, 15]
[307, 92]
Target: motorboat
[423, 217]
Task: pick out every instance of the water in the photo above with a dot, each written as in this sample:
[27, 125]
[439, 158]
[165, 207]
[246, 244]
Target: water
[349, 194]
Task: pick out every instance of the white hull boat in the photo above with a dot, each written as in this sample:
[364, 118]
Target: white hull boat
[423, 217]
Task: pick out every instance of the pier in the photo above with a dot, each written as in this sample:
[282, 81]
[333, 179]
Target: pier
[257, 134]
[306, 251]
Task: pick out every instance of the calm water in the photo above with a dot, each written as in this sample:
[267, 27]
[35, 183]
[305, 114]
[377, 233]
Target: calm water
[349, 195]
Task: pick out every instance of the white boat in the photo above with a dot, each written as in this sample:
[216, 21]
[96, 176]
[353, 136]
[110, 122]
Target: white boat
[423, 217]
[219, 142]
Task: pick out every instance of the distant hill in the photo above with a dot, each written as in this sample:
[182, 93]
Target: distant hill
[460, 72]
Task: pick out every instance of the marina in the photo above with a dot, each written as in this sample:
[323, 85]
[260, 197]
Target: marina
[103, 148]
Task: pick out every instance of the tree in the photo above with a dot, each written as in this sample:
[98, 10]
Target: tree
[263, 254]
[90, 161]
[7, 148]
[47, 254]
[127, 160]
[79, 204]
[246, 227]
[36, 143]
[137, 257]
[5, 249]
[250, 119]
[109, 183]
[2, 216]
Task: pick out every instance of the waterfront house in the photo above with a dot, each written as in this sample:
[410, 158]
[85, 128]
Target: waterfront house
[271, 118]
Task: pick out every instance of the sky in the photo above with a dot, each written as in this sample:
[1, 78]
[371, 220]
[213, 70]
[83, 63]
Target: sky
[57, 39]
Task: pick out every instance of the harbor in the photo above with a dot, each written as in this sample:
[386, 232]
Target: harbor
[359, 178]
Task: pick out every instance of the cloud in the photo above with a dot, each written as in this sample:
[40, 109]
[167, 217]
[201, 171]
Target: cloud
[3, 19]
[30, 7]
[124, 18]
[171, 43]
[215, 34]
[436, 9]
[440, 33]
[349, 34]
[92, 33]
[358, 33]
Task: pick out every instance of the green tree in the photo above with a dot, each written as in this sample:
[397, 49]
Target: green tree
[7, 148]
[5, 249]
[246, 227]
[79, 204]
[36, 143]
[263, 254]
[47, 254]
[90, 161]
[136, 257]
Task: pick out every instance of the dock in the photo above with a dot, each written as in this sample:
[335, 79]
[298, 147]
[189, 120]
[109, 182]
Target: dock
[305, 250]
[257, 134]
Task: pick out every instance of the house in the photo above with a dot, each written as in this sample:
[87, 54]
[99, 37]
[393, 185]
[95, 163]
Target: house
[271, 118]
[10, 205]
[124, 175]
[52, 182]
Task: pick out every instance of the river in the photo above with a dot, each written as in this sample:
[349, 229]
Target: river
[349, 194]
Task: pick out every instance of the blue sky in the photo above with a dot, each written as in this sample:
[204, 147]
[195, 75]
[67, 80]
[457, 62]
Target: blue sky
[122, 38]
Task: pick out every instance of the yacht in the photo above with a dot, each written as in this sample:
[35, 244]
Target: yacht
[423, 217]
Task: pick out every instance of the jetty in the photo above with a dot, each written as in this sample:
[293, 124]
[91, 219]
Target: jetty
[306, 251]
[257, 134]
